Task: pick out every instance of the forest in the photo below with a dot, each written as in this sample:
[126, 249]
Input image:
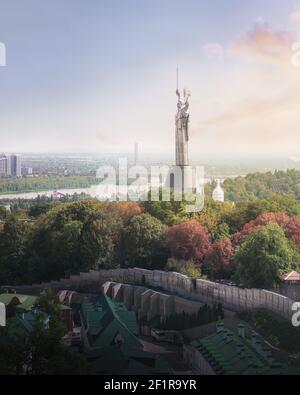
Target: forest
[44, 183]
[261, 186]
[251, 243]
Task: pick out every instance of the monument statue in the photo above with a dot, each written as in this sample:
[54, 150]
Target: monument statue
[182, 177]
[182, 128]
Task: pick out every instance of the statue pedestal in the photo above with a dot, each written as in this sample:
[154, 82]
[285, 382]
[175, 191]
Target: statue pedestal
[182, 178]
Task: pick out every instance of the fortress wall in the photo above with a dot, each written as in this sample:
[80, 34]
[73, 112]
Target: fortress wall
[232, 298]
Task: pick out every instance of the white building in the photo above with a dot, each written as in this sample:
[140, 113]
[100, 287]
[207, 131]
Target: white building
[218, 193]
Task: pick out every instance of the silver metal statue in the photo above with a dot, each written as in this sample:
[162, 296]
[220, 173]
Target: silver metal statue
[182, 128]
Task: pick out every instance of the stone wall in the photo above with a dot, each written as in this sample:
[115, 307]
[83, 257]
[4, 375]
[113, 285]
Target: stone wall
[148, 303]
[232, 298]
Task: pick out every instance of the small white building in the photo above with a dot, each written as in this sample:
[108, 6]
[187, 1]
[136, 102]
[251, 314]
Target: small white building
[218, 193]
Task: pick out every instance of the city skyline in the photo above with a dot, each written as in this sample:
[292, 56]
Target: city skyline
[100, 78]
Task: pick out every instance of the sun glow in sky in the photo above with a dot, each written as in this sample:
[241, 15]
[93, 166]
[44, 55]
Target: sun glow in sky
[99, 75]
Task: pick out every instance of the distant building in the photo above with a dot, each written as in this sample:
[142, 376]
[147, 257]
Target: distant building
[17, 303]
[218, 193]
[27, 171]
[10, 166]
[23, 307]
[3, 167]
[290, 285]
[16, 165]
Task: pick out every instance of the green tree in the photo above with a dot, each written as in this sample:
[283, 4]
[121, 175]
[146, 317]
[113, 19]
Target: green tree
[74, 237]
[170, 212]
[263, 256]
[3, 213]
[42, 352]
[12, 250]
[143, 242]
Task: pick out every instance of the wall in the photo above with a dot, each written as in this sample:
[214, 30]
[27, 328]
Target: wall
[232, 298]
[148, 303]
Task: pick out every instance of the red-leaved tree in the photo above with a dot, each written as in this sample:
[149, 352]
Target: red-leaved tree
[127, 210]
[218, 261]
[188, 241]
[280, 219]
[292, 229]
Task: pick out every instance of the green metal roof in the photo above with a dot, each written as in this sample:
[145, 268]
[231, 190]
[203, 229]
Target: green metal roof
[106, 320]
[236, 355]
[27, 301]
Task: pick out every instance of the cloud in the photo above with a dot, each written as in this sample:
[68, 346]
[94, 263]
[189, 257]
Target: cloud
[274, 83]
[256, 108]
[265, 45]
[295, 16]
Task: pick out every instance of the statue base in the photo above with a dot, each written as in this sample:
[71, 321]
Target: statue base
[183, 178]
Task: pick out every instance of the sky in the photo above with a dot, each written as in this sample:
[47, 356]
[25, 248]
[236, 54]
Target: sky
[100, 75]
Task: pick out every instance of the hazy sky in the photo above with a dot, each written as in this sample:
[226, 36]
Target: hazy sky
[98, 75]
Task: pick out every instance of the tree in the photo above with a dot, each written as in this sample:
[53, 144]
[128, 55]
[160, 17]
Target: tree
[143, 242]
[97, 244]
[169, 212]
[187, 268]
[219, 259]
[12, 250]
[212, 218]
[3, 213]
[290, 225]
[292, 229]
[41, 352]
[127, 210]
[48, 303]
[188, 241]
[74, 237]
[263, 256]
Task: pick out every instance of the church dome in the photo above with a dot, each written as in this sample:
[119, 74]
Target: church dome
[218, 193]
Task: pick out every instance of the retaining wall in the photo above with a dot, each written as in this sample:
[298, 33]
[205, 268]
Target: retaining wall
[232, 298]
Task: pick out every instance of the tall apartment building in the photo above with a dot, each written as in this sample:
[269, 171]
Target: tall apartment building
[16, 165]
[3, 166]
[10, 165]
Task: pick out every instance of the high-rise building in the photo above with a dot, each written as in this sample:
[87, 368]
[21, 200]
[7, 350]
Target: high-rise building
[16, 165]
[8, 165]
[3, 166]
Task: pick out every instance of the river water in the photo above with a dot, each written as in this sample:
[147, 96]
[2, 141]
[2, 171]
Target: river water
[101, 192]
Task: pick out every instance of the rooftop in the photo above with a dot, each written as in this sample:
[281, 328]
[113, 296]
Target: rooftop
[230, 354]
[115, 347]
[26, 301]
[292, 276]
[106, 320]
